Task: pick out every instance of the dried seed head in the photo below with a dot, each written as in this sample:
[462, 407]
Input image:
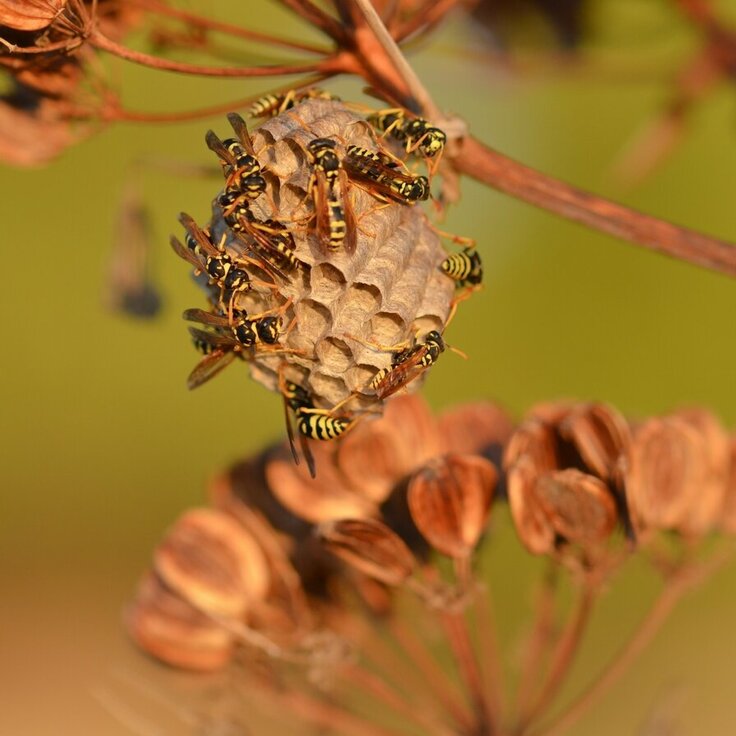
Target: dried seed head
[371, 547]
[389, 291]
[475, 427]
[601, 435]
[533, 442]
[211, 561]
[450, 500]
[668, 470]
[728, 515]
[172, 630]
[531, 522]
[29, 15]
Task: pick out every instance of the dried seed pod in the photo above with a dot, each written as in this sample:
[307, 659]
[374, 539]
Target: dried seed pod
[600, 434]
[172, 630]
[211, 561]
[29, 15]
[670, 466]
[450, 500]
[387, 292]
[371, 547]
[536, 534]
[475, 427]
[728, 514]
[533, 441]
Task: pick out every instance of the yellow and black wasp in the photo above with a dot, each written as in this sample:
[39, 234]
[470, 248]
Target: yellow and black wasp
[464, 267]
[271, 105]
[236, 336]
[415, 134]
[223, 270]
[385, 177]
[328, 187]
[240, 166]
[311, 423]
[272, 241]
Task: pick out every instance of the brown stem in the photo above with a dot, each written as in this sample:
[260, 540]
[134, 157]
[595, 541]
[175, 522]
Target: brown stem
[227, 28]
[100, 41]
[463, 651]
[369, 683]
[522, 182]
[562, 659]
[117, 113]
[538, 645]
[318, 18]
[434, 675]
[687, 578]
[426, 18]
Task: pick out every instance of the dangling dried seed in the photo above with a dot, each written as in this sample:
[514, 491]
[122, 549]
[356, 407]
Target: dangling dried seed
[211, 561]
[450, 500]
[370, 546]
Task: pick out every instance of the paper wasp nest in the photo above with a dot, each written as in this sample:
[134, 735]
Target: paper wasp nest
[389, 290]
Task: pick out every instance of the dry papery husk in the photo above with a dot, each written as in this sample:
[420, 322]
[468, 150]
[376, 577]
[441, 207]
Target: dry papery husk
[29, 15]
[388, 291]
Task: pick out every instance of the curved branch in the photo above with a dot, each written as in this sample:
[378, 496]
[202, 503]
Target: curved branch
[490, 167]
[100, 41]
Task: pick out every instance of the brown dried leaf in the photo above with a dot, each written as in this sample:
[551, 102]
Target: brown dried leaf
[600, 434]
[475, 427]
[668, 469]
[173, 631]
[578, 506]
[371, 547]
[29, 15]
[213, 562]
[450, 500]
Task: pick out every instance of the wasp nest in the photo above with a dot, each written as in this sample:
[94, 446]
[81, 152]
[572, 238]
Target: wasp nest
[345, 311]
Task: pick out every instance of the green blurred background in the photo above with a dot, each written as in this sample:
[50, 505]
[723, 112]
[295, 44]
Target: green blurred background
[103, 446]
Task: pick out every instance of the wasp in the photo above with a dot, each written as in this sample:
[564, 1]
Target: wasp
[384, 178]
[231, 338]
[271, 105]
[329, 190]
[415, 134]
[274, 242]
[464, 267]
[240, 166]
[311, 423]
[222, 270]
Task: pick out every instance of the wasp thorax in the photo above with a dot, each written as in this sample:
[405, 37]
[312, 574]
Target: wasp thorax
[347, 295]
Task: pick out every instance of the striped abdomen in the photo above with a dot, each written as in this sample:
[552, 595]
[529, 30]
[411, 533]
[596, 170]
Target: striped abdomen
[317, 424]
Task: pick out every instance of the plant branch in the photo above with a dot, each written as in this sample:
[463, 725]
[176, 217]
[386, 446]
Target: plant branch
[490, 167]
[564, 654]
[680, 583]
[318, 18]
[227, 28]
[100, 41]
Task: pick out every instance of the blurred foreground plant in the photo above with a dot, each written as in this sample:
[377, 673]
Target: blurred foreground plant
[356, 603]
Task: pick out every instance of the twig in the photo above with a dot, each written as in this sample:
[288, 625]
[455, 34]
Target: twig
[318, 18]
[675, 588]
[484, 164]
[100, 41]
[564, 655]
[402, 66]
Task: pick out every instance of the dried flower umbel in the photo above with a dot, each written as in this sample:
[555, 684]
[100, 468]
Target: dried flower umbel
[328, 599]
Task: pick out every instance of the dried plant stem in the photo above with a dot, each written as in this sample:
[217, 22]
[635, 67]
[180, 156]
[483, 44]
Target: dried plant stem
[464, 653]
[538, 644]
[440, 685]
[227, 28]
[324, 715]
[426, 18]
[522, 182]
[417, 90]
[562, 659]
[680, 583]
[98, 40]
[489, 654]
[318, 18]
[368, 683]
